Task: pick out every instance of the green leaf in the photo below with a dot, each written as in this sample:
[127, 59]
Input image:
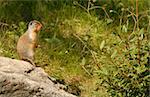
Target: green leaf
[83, 61]
[141, 34]
[141, 31]
[109, 21]
[124, 28]
[114, 54]
[102, 44]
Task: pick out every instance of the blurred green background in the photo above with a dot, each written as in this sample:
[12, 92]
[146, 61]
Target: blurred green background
[96, 48]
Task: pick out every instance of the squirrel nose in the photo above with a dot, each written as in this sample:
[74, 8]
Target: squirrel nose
[39, 24]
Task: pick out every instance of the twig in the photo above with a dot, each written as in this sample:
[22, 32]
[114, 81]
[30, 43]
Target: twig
[137, 22]
[4, 24]
[91, 8]
[88, 6]
[137, 15]
[86, 70]
[76, 3]
[95, 7]
[94, 58]
[106, 12]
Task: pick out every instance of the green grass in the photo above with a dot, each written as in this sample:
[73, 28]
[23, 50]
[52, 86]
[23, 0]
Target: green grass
[61, 53]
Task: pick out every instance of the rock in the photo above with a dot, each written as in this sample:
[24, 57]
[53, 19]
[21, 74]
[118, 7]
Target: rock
[21, 79]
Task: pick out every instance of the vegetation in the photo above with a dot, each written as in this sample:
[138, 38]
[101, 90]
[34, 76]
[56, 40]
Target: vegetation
[97, 48]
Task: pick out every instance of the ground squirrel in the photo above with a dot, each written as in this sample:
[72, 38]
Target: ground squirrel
[28, 42]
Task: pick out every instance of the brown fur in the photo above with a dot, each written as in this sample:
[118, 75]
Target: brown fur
[28, 42]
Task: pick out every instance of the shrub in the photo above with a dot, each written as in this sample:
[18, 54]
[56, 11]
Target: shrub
[123, 72]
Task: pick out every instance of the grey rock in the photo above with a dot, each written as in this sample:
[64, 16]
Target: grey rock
[21, 79]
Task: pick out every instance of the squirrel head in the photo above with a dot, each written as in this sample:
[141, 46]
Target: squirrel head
[34, 26]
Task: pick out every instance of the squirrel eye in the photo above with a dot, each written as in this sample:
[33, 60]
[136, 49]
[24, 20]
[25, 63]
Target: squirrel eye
[30, 23]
